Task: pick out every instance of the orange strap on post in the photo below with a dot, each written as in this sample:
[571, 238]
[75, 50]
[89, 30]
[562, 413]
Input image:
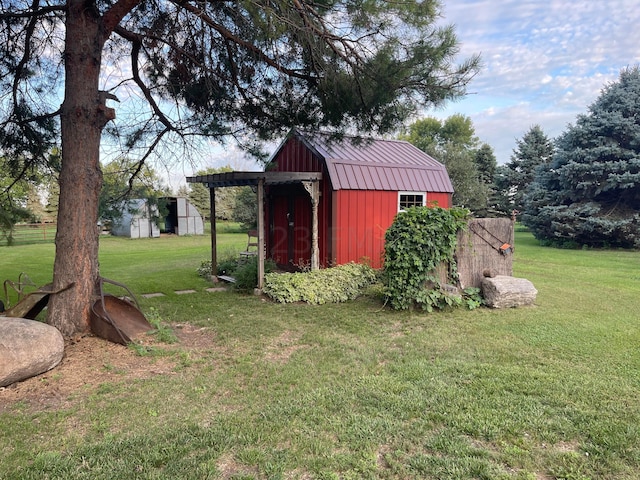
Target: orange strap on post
[505, 248]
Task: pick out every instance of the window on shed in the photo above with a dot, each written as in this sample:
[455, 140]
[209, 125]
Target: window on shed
[411, 199]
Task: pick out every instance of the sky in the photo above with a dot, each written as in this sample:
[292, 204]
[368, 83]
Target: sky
[543, 63]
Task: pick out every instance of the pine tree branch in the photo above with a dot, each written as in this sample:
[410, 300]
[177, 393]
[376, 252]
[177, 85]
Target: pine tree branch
[112, 17]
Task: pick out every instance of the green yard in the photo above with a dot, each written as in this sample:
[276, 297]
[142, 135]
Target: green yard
[345, 391]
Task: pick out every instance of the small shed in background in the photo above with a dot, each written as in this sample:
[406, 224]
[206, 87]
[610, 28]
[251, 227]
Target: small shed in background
[183, 218]
[141, 220]
[138, 220]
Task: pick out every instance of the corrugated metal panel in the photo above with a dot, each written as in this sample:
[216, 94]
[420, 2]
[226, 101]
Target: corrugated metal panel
[440, 199]
[376, 180]
[378, 165]
[363, 217]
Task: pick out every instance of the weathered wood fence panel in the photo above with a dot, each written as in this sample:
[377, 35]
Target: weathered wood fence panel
[486, 244]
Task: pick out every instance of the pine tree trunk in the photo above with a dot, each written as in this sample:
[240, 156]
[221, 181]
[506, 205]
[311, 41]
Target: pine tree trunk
[83, 117]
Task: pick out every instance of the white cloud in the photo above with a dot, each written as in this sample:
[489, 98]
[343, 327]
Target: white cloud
[544, 62]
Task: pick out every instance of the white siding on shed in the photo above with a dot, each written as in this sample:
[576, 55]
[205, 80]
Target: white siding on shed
[135, 221]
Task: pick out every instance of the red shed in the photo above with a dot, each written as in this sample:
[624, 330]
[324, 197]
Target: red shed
[363, 186]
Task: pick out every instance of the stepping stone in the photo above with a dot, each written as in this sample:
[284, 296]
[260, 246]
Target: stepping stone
[152, 295]
[182, 292]
[216, 289]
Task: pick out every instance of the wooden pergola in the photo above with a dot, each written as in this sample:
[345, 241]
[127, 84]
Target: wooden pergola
[310, 181]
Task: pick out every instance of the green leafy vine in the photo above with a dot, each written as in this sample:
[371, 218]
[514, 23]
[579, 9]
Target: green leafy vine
[417, 243]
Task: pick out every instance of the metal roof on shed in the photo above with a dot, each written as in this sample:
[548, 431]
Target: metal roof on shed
[374, 164]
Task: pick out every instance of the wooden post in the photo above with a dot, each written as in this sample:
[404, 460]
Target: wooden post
[314, 191]
[261, 233]
[214, 248]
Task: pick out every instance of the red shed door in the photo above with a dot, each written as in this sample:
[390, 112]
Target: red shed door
[291, 229]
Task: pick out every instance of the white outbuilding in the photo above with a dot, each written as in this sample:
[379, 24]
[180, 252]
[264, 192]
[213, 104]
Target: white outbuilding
[141, 220]
[183, 218]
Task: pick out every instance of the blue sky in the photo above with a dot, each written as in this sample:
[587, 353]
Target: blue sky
[544, 62]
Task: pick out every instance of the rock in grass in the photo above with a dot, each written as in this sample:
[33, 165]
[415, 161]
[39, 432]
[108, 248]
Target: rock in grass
[27, 348]
[503, 291]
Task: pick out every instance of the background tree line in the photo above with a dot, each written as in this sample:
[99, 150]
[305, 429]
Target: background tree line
[580, 189]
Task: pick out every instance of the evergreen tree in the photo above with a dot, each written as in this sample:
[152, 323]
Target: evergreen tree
[485, 160]
[486, 165]
[512, 179]
[53, 194]
[590, 193]
[34, 205]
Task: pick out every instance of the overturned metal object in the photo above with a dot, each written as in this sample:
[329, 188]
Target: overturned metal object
[30, 304]
[116, 319]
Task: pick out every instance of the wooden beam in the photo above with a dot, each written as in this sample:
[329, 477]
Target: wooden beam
[234, 179]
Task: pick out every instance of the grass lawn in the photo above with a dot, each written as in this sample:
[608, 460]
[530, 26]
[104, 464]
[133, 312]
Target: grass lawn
[346, 391]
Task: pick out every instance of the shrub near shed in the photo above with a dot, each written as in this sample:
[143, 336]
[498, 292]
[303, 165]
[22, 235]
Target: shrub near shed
[330, 285]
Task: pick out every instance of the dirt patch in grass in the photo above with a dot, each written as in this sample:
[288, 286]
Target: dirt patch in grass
[230, 468]
[283, 347]
[90, 361]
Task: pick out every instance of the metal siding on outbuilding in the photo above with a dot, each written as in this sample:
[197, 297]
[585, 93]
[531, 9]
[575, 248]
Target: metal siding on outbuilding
[347, 162]
[294, 156]
[189, 219]
[363, 217]
[135, 221]
[439, 199]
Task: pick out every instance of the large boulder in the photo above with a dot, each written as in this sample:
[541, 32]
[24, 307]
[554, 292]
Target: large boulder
[503, 291]
[27, 348]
